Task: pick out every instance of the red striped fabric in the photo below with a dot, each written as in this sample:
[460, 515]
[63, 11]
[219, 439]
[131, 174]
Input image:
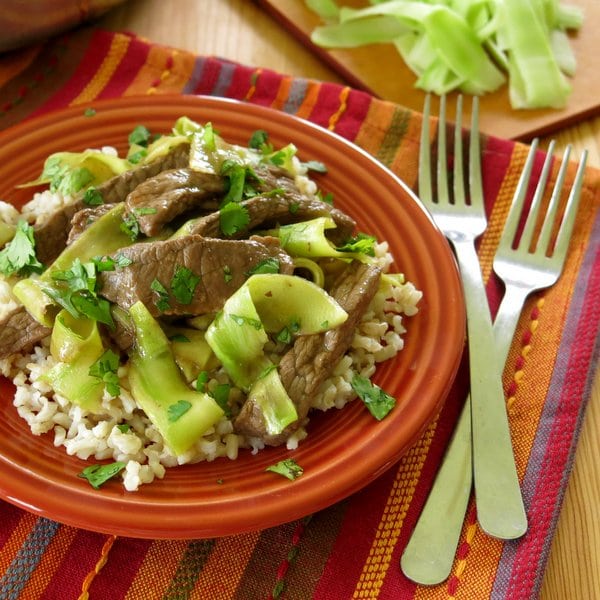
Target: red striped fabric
[352, 549]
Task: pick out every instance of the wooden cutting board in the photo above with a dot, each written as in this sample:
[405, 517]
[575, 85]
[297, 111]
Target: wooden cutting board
[379, 70]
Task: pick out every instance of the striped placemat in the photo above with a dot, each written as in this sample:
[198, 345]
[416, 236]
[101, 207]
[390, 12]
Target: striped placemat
[352, 549]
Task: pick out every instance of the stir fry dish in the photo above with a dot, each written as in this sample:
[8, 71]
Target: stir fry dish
[188, 300]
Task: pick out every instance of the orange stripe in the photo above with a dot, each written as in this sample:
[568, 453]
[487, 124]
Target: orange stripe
[282, 93]
[241, 547]
[253, 79]
[157, 569]
[13, 63]
[118, 49]
[310, 99]
[87, 582]
[333, 120]
[16, 540]
[49, 562]
[406, 160]
[385, 540]
[375, 125]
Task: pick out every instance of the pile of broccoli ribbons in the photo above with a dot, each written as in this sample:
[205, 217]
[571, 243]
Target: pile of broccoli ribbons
[64, 296]
[474, 46]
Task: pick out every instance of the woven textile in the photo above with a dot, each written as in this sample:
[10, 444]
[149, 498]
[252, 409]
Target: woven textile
[352, 549]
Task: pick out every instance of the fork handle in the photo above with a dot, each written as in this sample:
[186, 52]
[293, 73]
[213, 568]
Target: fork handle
[500, 509]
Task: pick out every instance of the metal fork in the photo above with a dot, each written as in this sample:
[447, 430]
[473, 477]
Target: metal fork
[494, 471]
[524, 269]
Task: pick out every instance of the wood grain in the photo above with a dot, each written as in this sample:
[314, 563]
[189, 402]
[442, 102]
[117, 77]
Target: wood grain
[239, 30]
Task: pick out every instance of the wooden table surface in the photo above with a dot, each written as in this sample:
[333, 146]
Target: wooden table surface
[239, 30]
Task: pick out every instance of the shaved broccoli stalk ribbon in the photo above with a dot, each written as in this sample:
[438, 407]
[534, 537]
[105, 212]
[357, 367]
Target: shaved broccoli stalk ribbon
[238, 334]
[180, 414]
[467, 45]
[307, 239]
[102, 237]
[76, 344]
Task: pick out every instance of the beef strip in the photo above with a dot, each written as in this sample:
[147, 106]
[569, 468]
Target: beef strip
[20, 332]
[270, 211]
[51, 235]
[83, 218]
[222, 266]
[160, 199]
[312, 358]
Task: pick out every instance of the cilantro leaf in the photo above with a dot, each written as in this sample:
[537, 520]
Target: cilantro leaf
[201, 381]
[288, 468]
[241, 320]
[178, 409]
[315, 165]
[92, 197]
[99, 474]
[75, 289]
[362, 243]
[227, 274]
[124, 427]
[286, 334]
[221, 396]
[162, 301]
[18, 256]
[258, 139]
[89, 112]
[105, 369]
[233, 217]
[267, 265]
[378, 402]
[139, 136]
[183, 284]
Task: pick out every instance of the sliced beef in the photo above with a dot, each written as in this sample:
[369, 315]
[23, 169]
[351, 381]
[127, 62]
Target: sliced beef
[20, 332]
[51, 236]
[162, 198]
[221, 265]
[83, 218]
[312, 358]
[270, 211]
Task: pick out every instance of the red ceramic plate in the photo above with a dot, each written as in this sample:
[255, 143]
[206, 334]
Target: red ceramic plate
[345, 449]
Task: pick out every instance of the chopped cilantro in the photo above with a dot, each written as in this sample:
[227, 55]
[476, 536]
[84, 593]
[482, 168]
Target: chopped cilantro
[285, 336]
[89, 112]
[92, 197]
[201, 381]
[100, 474]
[241, 320]
[69, 181]
[183, 284]
[233, 217]
[178, 409]
[108, 263]
[124, 427]
[140, 136]
[221, 396]
[378, 402]
[162, 300]
[75, 289]
[363, 243]
[315, 165]
[219, 481]
[288, 467]
[327, 198]
[105, 368]
[18, 256]
[130, 224]
[240, 180]
[267, 265]
[227, 274]
[294, 207]
[258, 139]
[136, 157]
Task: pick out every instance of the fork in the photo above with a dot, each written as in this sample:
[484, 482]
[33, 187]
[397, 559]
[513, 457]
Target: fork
[462, 222]
[524, 268]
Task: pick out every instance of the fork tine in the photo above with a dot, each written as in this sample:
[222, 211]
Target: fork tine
[475, 184]
[459, 178]
[516, 208]
[566, 227]
[425, 193]
[532, 217]
[544, 239]
[442, 159]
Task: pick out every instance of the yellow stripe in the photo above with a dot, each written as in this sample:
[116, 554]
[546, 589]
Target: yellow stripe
[87, 582]
[118, 48]
[394, 513]
[333, 120]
